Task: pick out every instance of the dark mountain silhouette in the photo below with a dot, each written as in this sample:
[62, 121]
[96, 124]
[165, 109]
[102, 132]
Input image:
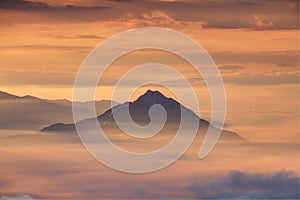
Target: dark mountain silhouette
[139, 112]
[5, 95]
[32, 113]
[139, 109]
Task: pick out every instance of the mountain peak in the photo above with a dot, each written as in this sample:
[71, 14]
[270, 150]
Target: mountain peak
[139, 112]
[153, 97]
[151, 93]
[139, 109]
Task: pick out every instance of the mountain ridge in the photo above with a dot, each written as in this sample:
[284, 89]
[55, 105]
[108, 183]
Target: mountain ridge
[139, 112]
[140, 107]
[33, 113]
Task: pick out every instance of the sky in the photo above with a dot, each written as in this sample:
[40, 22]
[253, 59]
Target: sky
[255, 45]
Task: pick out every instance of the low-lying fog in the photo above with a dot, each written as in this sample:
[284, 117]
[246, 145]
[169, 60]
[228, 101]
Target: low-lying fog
[56, 165]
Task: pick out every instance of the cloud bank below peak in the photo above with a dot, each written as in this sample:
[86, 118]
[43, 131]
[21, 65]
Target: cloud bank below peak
[241, 185]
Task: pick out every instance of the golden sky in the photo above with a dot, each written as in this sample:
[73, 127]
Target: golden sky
[255, 44]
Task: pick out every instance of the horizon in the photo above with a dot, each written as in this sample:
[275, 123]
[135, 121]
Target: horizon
[132, 99]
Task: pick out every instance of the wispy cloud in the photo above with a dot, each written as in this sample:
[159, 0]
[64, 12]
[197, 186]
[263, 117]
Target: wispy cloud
[271, 77]
[230, 67]
[289, 58]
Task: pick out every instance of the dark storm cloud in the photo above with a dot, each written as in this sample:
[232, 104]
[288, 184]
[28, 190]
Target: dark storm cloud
[260, 15]
[240, 185]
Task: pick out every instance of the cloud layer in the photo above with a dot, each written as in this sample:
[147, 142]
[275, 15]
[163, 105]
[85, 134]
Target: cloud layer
[211, 14]
[241, 185]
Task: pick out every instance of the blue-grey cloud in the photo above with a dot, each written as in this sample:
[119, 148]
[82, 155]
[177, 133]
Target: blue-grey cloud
[240, 185]
[19, 197]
